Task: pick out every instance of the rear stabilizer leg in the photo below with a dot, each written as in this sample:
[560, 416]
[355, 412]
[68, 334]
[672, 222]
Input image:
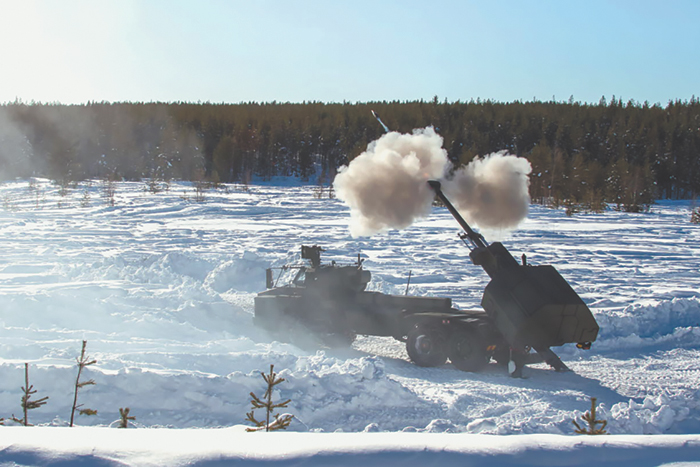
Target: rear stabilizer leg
[552, 359]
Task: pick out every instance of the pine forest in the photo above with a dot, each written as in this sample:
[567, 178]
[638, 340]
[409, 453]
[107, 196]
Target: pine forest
[583, 155]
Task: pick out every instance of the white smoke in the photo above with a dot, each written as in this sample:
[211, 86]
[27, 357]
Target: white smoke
[386, 186]
[492, 192]
[15, 149]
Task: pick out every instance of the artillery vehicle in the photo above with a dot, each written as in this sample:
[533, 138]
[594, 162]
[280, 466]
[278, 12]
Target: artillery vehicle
[525, 308]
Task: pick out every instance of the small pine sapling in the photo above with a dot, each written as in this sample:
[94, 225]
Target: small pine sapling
[109, 191]
[695, 216]
[83, 361]
[280, 422]
[124, 417]
[85, 201]
[27, 404]
[199, 188]
[589, 417]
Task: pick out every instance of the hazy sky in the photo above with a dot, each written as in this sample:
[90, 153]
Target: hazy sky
[73, 51]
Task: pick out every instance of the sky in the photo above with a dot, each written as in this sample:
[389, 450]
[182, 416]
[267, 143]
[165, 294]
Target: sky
[75, 51]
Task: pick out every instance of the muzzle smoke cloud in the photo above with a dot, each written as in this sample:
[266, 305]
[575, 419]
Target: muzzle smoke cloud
[492, 192]
[385, 186]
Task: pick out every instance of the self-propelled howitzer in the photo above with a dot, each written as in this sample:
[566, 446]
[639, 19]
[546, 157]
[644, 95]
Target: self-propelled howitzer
[532, 306]
[525, 307]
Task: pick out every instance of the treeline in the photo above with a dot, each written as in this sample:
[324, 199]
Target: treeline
[582, 154]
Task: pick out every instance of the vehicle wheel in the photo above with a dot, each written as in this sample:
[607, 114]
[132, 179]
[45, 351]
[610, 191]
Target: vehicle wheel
[425, 347]
[467, 350]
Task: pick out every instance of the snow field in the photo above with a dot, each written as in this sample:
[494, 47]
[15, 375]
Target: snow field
[162, 289]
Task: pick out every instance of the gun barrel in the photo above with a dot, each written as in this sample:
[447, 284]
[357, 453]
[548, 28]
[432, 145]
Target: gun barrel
[476, 239]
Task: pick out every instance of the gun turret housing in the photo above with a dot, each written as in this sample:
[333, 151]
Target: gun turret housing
[532, 306]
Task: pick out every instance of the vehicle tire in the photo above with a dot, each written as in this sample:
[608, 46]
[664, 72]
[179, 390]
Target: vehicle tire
[425, 347]
[467, 350]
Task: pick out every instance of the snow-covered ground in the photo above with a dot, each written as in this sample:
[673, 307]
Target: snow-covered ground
[162, 289]
[102, 447]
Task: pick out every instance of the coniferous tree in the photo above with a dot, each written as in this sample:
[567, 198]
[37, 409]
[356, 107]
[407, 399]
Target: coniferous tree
[124, 417]
[592, 421]
[279, 422]
[83, 362]
[28, 404]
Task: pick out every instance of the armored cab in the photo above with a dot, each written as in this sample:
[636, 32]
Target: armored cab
[330, 303]
[310, 294]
